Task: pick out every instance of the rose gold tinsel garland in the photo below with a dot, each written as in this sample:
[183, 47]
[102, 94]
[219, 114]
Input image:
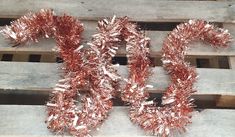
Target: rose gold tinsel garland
[174, 113]
[92, 69]
[83, 69]
[99, 78]
[105, 43]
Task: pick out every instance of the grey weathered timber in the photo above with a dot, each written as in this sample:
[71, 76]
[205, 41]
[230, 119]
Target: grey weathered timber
[38, 78]
[29, 120]
[137, 10]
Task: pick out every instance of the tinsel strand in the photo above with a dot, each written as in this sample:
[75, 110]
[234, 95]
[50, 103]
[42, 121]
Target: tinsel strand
[175, 111]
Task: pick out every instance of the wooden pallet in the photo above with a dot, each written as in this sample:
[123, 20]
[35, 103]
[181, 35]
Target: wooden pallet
[25, 81]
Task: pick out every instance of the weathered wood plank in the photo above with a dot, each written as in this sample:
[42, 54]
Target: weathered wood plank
[231, 28]
[137, 10]
[25, 78]
[29, 120]
[46, 46]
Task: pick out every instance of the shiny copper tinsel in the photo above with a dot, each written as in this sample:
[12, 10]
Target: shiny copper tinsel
[92, 69]
[89, 69]
[176, 107]
[31, 27]
[84, 68]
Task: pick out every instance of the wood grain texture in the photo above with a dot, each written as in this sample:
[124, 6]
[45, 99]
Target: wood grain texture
[46, 46]
[137, 10]
[29, 120]
[27, 78]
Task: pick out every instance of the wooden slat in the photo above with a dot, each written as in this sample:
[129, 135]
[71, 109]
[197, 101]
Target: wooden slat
[48, 58]
[228, 101]
[23, 76]
[232, 62]
[20, 57]
[29, 120]
[138, 10]
[0, 56]
[45, 46]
